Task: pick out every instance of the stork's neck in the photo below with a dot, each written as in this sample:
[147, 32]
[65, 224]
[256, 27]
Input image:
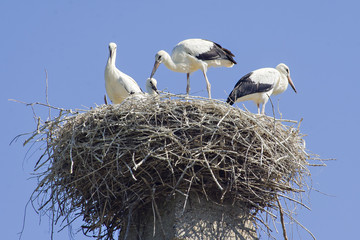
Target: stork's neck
[282, 84]
[169, 62]
[150, 90]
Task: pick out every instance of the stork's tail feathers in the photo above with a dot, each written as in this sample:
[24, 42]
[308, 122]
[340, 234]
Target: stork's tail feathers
[230, 100]
[228, 53]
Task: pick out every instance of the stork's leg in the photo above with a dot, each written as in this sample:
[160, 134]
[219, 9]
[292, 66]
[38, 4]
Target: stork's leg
[263, 109]
[258, 107]
[208, 85]
[266, 99]
[188, 84]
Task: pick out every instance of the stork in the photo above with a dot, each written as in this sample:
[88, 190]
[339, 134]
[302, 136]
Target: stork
[191, 55]
[260, 84]
[151, 86]
[118, 85]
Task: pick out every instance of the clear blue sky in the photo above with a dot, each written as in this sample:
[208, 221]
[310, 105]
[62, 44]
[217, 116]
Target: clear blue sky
[318, 40]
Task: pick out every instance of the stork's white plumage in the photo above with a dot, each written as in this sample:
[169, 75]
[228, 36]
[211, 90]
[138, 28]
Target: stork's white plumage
[260, 84]
[118, 85]
[193, 54]
[151, 86]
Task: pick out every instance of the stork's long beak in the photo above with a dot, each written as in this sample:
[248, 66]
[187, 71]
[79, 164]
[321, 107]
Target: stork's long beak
[154, 88]
[156, 65]
[111, 52]
[291, 84]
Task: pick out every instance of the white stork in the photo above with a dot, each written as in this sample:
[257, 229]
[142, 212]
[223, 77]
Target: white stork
[118, 85]
[151, 86]
[193, 54]
[260, 84]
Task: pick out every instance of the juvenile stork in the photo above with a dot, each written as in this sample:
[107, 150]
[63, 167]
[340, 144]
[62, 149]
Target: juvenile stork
[151, 86]
[193, 54]
[118, 85]
[260, 84]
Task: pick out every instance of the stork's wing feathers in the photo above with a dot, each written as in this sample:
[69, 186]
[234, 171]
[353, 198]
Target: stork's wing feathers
[217, 52]
[246, 86]
[225, 50]
[203, 49]
[129, 84]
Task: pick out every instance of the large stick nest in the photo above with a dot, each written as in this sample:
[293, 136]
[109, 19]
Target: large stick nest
[107, 163]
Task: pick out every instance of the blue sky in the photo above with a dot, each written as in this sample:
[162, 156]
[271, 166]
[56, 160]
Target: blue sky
[318, 40]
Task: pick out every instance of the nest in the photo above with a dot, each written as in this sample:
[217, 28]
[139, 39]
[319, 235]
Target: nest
[108, 163]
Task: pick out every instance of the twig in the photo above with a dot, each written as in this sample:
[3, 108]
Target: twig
[105, 100]
[282, 219]
[212, 173]
[46, 92]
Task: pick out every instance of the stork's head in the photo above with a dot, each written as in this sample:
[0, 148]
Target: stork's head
[159, 58]
[282, 68]
[151, 86]
[112, 48]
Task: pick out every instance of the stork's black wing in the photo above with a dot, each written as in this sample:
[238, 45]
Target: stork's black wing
[246, 86]
[217, 52]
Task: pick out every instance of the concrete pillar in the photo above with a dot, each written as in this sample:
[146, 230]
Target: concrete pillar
[201, 220]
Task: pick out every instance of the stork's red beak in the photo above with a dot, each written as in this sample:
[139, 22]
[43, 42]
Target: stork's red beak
[292, 84]
[156, 65]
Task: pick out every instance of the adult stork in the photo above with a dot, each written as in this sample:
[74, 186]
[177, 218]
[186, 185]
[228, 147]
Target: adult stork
[151, 86]
[260, 84]
[191, 55]
[118, 85]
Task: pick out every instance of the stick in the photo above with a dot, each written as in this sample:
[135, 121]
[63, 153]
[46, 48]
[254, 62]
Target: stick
[282, 219]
